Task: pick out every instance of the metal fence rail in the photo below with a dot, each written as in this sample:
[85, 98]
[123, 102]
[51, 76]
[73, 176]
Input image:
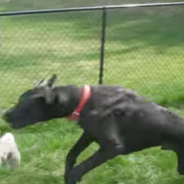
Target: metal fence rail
[92, 8]
[105, 44]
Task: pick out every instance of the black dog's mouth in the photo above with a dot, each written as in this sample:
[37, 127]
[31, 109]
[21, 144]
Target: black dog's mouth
[14, 125]
[15, 120]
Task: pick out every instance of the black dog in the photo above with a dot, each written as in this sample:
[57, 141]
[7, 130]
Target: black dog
[120, 121]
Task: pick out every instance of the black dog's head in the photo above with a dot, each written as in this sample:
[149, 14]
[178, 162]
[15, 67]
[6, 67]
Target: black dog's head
[43, 102]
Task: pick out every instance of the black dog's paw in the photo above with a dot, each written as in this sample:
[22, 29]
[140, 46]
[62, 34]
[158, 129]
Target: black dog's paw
[72, 181]
[69, 179]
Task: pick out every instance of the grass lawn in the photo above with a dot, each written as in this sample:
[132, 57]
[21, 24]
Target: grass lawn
[144, 51]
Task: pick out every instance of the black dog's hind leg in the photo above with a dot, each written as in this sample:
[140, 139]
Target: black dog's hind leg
[98, 158]
[83, 142]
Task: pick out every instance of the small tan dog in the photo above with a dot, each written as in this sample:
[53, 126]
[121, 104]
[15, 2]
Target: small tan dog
[9, 153]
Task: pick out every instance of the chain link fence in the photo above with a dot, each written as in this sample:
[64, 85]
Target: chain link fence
[142, 47]
[144, 51]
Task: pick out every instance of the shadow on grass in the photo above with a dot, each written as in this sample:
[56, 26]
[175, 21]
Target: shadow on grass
[160, 26]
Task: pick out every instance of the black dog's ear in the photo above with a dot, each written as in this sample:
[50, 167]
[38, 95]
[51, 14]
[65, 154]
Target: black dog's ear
[52, 80]
[45, 89]
[38, 83]
[46, 83]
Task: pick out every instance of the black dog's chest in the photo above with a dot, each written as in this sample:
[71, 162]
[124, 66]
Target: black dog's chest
[94, 129]
[130, 133]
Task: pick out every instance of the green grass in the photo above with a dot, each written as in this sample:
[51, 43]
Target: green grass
[144, 51]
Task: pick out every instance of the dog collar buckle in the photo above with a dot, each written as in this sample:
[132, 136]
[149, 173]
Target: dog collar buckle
[74, 116]
[75, 113]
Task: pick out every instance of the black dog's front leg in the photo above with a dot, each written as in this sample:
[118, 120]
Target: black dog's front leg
[180, 159]
[83, 142]
[98, 158]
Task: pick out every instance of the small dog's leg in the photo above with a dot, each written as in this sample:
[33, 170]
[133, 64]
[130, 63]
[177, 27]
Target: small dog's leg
[83, 142]
[98, 158]
[14, 159]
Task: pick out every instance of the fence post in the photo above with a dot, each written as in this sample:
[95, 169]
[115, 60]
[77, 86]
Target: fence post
[102, 47]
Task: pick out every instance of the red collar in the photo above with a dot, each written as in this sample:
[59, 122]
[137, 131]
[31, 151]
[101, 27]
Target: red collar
[86, 93]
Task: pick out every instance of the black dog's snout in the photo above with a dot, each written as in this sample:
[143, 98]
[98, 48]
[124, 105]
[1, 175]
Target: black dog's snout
[6, 115]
